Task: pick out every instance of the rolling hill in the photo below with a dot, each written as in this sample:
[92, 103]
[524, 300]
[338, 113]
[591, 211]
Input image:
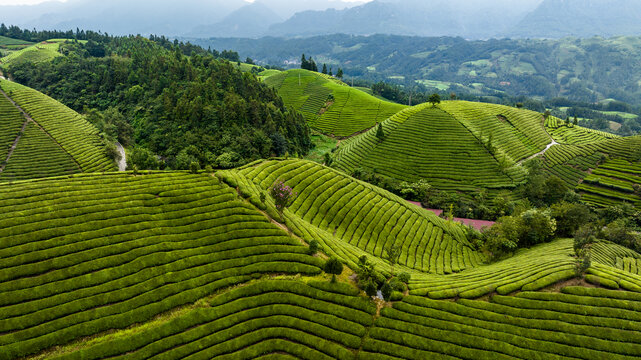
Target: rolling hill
[41, 137]
[458, 146]
[328, 104]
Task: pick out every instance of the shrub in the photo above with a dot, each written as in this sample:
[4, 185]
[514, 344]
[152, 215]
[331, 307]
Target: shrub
[539, 227]
[313, 247]
[386, 291]
[404, 277]
[194, 167]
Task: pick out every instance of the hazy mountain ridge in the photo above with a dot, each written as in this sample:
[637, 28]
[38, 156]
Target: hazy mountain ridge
[470, 19]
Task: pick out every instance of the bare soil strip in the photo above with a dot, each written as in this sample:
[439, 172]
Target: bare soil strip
[28, 118]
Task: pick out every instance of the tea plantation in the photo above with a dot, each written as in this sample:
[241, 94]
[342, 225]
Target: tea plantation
[328, 104]
[96, 264]
[457, 146]
[39, 137]
[37, 53]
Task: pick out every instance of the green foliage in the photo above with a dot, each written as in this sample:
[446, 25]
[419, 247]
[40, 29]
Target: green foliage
[434, 99]
[194, 167]
[314, 246]
[142, 159]
[172, 102]
[333, 266]
[386, 291]
[570, 217]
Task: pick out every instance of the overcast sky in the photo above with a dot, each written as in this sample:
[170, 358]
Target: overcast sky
[31, 2]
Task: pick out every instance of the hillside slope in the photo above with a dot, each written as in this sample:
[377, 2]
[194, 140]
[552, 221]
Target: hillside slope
[37, 53]
[48, 139]
[195, 268]
[456, 145]
[328, 104]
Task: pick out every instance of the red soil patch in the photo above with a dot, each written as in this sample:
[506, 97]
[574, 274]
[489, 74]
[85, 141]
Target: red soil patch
[477, 224]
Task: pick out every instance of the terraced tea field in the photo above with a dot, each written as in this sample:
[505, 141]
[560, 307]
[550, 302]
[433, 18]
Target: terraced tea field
[191, 266]
[90, 253]
[288, 319]
[50, 139]
[329, 105]
[42, 52]
[612, 183]
[351, 218]
[450, 146]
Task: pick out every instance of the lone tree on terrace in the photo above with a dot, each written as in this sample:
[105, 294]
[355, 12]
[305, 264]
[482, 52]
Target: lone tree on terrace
[434, 99]
[380, 134]
[392, 254]
[335, 267]
[282, 195]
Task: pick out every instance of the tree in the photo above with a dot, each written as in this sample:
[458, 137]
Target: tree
[538, 227]
[324, 68]
[194, 167]
[312, 65]
[304, 64]
[434, 99]
[392, 253]
[282, 195]
[386, 291]
[330, 72]
[339, 73]
[328, 159]
[313, 247]
[576, 121]
[380, 134]
[570, 217]
[583, 240]
[335, 267]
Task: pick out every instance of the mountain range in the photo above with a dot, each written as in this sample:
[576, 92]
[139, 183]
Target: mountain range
[470, 19]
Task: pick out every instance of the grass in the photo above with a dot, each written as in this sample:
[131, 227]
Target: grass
[329, 105]
[74, 135]
[322, 144]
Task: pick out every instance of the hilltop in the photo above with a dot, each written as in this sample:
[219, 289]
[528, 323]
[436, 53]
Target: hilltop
[328, 104]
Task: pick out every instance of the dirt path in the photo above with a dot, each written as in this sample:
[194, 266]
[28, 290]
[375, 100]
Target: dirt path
[122, 164]
[28, 119]
[14, 145]
[540, 152]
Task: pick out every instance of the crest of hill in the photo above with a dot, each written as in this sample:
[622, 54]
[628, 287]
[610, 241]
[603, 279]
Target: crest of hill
[37, 53]
[48, 139]
[328, 104]
[456, 145]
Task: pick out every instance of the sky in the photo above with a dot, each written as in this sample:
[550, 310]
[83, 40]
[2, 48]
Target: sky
[31, 2]
[22, 2]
